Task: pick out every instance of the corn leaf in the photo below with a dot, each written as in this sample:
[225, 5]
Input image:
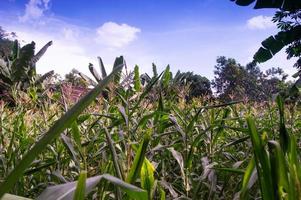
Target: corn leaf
[66, 191]
[79, 193]
[138, 160]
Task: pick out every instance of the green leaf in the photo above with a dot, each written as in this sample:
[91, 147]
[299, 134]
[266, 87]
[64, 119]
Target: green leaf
[274, 44]
[137, 83]
[80, 190]
[76, 134]
[231, 170]
[247, 178]
[238, 141]
[262, 55]
[114, 154]
[39, 168]
[166, 76]
[147, 177]
[284, 136]
[20, 67]
[138, 160]
[279, 169]
[162, 193]
[294, 170]
[70, 149]
[262, 162]
[145, 93]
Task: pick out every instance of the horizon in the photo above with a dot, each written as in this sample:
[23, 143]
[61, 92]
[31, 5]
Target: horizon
[188, 36]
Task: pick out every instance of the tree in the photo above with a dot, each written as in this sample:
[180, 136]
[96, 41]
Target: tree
[233, 81]
[273, 82]
[198, 85]
[229, 78]
[288, 21]
[73, 78]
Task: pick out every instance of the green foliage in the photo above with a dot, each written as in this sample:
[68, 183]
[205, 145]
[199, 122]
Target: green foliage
[235, 81]
[139, 159]
[229, 78]
[198, 85]
[146, 137]
[79, 193]
[288, 21]
[276, 163]
[166, 77]
[277, 168]
[73, 78]
[274, 44]
[289, 36]
[137, 83]
[262, 161]
[197, 150]
[53, 132]
[19, 69]
[147, 177]
[283, 134]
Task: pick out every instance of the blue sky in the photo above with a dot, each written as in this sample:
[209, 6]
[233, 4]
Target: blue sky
[188, 35]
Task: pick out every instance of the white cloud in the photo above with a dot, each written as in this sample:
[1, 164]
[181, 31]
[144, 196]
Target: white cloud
[74, 46]
[34, 9]
[260, 22]
[114, 35]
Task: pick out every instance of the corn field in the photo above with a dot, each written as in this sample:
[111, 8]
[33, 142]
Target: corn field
[143, 143]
